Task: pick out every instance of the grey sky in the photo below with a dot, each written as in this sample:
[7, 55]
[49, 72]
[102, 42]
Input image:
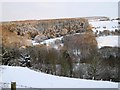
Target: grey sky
[45, 10]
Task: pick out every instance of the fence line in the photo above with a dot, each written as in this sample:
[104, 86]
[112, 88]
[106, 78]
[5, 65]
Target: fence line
[8, 85]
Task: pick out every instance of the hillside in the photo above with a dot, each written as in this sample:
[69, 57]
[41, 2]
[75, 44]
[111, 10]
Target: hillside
[52, 28]
[64, 47]
[26, 78]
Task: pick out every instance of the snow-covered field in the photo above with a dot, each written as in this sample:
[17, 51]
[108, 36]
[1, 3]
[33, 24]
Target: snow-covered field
[23, 76]
[49, 42]
[112, 41]
[105, 25]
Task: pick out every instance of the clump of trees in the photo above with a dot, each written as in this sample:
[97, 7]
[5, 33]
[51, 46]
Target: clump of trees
[81, 45]
[10, 56]
[107, 32]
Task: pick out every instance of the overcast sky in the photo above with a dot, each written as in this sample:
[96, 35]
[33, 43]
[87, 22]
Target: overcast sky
[12, 11]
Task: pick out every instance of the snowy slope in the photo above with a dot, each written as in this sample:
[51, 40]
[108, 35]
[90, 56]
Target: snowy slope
[50, 42]
[27, 77]
[108, 41]
[110, 25]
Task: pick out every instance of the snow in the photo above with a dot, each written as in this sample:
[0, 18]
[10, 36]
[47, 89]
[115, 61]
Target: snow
[27, 77]
[110, 25]
[51, 40]
[47, 42]
[34, 43]
[111, 41]
[102, 41]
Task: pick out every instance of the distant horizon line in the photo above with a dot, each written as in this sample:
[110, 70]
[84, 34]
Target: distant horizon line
[54, 18]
